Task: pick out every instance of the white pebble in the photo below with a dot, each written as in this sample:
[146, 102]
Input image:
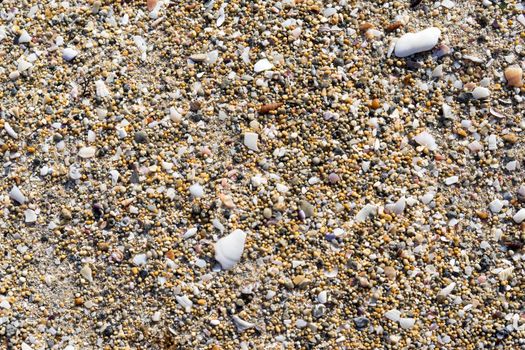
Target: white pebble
[407, 323]
[519, 216]
[87, 273]
[196, 190]
[322, 297]
[412, 43]
[87, 152]
[480, 93]
[495, 206]
[365, 212]
[23, 65]
[69, 53]
[140, 259]
[447, 290]
[451, 180]
[101, 89]
[393, 315]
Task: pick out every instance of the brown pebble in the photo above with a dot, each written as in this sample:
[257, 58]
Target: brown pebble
[375, 103]
[390, 272]
[393, 26]
[79, 301]
[510, 138]
[151, 4]
[270, 107]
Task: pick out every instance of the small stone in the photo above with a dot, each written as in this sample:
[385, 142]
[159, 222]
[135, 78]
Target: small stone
[66, 214]
[480, 93]
[407, 323]
[24, 37]
[140, 259]
[519, 216]
[141, 137]
[262, 65]
[198, 57]
[307, 208]
[86, 272]
[229, 249]
[68, 54]
[390, 273]
[300, 281]
[267, 213]
[87, 152]
[361, 323]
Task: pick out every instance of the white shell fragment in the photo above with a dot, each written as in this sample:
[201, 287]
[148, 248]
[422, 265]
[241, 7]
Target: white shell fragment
[495, 206]
[364, 213]
[101, 88]
[10, 130]
[262, 65]
[228, 250]
[68, 54]
[29, 215]
[87, 152]
[241, 324]
[24, 37]
[140, 259]
[17, 195]
[250, 140]
[451, 180]
[447, 290]
[23, 65]
[427, 140]
[185, 302]
[86, 272]
[393, 315]
[412, 43]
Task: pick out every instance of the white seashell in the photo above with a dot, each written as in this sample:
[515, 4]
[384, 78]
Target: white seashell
[30, 215]
[185, 302]
[4, 304]
[399, 206]
[69, 53]
[140, 259]
[17, 195]
[480, 93]
[438, 71]
[212, 56]
[495, 206]
[156, 316]
[23, 65]
[24, 37]
[447, 290]
[114, 176]
[262, 65]
[250, 140]
[407, 323]
[87, 152]
[74, 173]
[196, 190]
[365, 212]
[87, 273]
[242, 324]
[10, 130]
[218, 225]
[26, 347]
[505, 274]
[427, 140]
[322, 297]
[427, 197]
[229, 249]
[447, 111]
[190, 233]
[519, 216]
[393, 315]
[91, 136]
[101, 88]
[412, 43]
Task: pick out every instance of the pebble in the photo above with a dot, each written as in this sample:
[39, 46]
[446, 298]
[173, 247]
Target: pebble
[196, 190]
[141, 137]
[519, 216]
[411, 43]
[427, 140]
[17, 195]
[69, 53]
[24, 37]
[480, 93]
[87, 152]
[30, 215]
[10, 130]
[307, 208]
[262, 65]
